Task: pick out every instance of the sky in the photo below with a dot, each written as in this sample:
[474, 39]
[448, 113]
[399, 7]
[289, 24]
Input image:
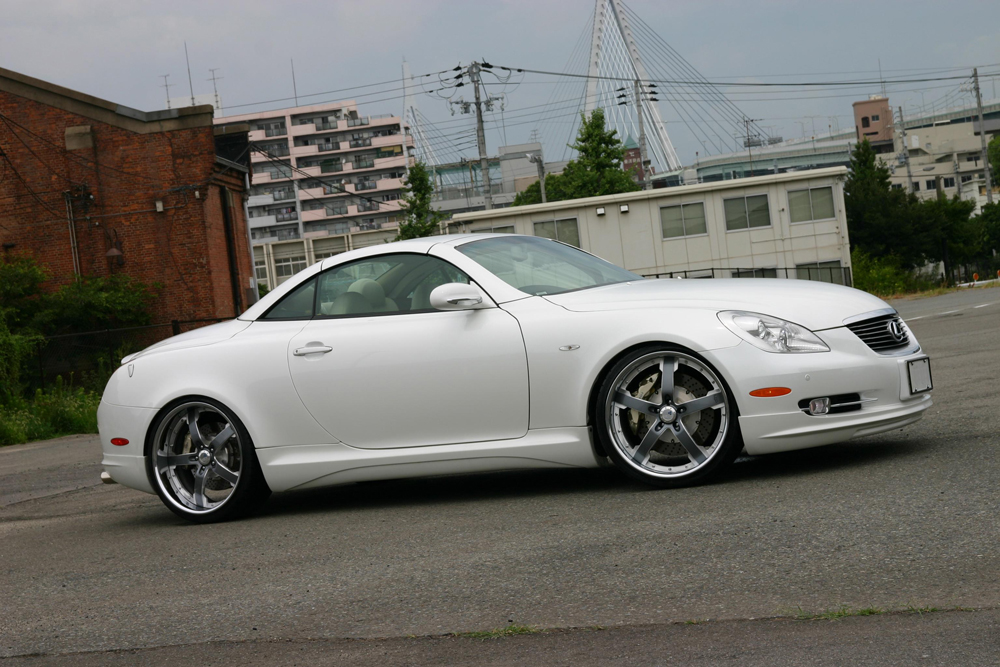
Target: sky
[119, 50]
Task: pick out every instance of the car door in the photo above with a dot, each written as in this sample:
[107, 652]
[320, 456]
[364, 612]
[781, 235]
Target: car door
[379, 368]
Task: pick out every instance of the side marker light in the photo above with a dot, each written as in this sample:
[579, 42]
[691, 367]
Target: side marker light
[119, 442]
[770, 392]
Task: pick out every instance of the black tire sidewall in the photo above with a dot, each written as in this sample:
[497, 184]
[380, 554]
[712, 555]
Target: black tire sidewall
[729, 449]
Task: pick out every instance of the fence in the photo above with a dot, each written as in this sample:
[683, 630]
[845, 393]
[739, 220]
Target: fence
[98, 353]
[840, 275]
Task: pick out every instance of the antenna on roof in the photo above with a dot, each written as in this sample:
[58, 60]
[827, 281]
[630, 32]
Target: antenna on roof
[166, 86]
[190, 84]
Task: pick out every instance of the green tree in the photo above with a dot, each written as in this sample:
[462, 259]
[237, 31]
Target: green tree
[880, 219]
[21, 296]
[93, 303]
[989, 220]
[596, 171]
[421, 219]
[951, 234]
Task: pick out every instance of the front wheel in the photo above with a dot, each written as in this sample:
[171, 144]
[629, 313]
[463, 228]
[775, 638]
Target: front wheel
[202, 462]
[666, 418]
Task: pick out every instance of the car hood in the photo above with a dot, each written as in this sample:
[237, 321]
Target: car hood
[812, 304]
[213, 333]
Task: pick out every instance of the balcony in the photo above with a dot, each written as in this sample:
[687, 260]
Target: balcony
[283, 195]
[286, 217]
[333, 189]
[326, 126]
[363, 163]
[365, 206]
[330, 168]
[336, 210]
[361, 143]
[357, 122]
[365, 185]
[286, 234]
[260, 200]
[328, 146]
[369, 226]
[259, 221]
[276, 132]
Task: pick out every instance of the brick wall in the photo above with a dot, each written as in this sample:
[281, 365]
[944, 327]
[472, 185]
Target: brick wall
[115, 176]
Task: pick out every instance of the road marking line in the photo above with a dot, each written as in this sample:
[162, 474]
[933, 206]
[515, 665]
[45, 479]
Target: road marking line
[910, 319]
[949, 312]
[983, 305]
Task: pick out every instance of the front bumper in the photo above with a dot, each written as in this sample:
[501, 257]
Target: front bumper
[125, 464]
[778, 424]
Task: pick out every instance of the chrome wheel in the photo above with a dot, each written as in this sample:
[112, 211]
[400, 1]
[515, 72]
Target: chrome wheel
[198, 457]
[667, 414]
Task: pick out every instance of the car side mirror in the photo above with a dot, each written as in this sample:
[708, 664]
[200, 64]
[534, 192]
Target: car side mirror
[457, 296]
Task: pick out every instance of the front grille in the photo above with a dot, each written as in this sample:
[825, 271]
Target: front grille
[877, 334]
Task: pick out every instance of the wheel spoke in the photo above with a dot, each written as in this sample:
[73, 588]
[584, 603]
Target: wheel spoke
[633, 403]
[225, 473]
[220, 440]
[196, 440]
[173, 460]
[712, 400]
[200, 478]
[693, 450]
[667, 367]
[652, 436]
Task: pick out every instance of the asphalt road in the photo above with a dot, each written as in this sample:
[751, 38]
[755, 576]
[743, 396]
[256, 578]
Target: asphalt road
[380, 573]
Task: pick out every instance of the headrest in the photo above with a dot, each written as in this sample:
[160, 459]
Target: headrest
[369, 289]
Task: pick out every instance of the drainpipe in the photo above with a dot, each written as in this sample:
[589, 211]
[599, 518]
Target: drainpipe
[74, 249]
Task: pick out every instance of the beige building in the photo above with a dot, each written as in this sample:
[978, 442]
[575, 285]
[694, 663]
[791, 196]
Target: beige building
[784, 225]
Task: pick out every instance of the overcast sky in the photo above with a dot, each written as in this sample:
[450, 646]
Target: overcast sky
[118, 50]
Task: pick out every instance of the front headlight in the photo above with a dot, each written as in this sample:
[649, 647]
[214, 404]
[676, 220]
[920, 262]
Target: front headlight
[771, 334]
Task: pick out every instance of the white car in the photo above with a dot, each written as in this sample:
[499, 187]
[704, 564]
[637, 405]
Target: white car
[483, 352]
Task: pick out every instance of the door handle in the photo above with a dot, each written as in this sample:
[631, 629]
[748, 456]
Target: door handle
[315, 349]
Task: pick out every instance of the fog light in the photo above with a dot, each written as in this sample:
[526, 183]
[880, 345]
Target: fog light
[819, 406]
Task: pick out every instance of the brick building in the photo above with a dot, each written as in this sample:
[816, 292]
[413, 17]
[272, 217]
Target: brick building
[90, 187]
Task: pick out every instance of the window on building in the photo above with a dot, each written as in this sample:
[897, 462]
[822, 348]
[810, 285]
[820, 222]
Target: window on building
[949, 181]
[285, 267]
[825, 272]
[683, 220]
[874, 117]
[811, 204]
[320, 256]
[260, 270]
[747, 212]
[755, 273]
[865, 122]
[897, 186]
[966, 178]
[502, 229]
[930, 184]
[974, 159]
[566, 231]
[916, 186]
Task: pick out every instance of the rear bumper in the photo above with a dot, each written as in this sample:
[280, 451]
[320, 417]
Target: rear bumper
[778, 424]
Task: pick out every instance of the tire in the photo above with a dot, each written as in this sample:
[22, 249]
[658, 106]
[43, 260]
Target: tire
[681, 439]
[207, 472]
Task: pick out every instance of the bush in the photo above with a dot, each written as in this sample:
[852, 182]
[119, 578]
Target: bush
[58, 411]
[15, 349]
[884, 276]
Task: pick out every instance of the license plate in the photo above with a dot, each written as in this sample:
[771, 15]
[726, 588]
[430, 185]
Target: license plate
[920, 375]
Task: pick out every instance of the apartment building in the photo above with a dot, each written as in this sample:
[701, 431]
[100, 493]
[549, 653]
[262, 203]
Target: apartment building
[326, 179]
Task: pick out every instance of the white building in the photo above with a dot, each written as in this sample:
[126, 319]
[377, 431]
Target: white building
[789, 225]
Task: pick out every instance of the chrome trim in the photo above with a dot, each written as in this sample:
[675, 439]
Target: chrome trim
[842, 405]
[869, 315]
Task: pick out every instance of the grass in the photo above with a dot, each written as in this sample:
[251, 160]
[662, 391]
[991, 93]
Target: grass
[499, 633]
[60, 410]
[847, 612]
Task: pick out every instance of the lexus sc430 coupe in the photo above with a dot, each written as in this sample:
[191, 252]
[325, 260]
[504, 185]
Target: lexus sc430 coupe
[484, 352]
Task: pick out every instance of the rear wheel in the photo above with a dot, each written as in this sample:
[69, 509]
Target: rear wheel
[666, 418]
[202, 462]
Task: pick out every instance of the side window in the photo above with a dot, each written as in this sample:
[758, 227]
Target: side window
[388, 284]
[298, 305]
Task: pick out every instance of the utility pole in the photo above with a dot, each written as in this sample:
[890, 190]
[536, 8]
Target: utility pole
[982, 136]
[750, 138]
[906, 153]
[484, 163]
[644, 182]
[540, 163]
[166, 86]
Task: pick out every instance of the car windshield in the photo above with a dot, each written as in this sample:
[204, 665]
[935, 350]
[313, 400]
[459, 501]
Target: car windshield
[541, 266]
